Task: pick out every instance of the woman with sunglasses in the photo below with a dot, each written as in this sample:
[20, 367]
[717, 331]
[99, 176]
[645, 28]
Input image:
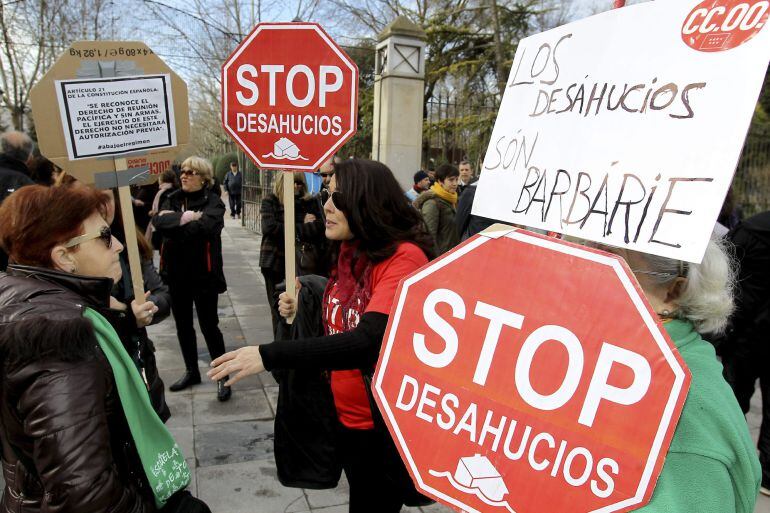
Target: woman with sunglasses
[190, 223]
[78, 431]
[378, 239]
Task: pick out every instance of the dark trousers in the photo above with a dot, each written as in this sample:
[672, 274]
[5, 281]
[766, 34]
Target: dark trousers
[370, 490]
[235, 204]
[182, 300]
[272, 278]
[744, 363]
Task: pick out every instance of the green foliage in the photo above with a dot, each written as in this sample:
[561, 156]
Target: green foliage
[752, 176]
[764, 97]
[360, 145]
[221, 164]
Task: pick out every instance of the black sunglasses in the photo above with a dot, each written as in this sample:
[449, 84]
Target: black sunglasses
[326, 175]
[105, 234]
[339, 201]
[188, 172]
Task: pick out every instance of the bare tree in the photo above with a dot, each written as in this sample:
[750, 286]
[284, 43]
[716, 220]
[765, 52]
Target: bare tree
[33, 34]
[24, 53]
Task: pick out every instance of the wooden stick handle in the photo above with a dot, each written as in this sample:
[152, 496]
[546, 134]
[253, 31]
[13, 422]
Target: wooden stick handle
[129, 227]
[288, 234]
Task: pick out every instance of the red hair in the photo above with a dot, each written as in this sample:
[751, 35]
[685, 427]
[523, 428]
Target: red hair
[35, 218]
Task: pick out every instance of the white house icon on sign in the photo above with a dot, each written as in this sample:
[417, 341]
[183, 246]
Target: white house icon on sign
[479, 473]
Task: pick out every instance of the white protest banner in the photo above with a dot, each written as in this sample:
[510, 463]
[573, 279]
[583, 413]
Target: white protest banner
[112, 116]
[625, 128]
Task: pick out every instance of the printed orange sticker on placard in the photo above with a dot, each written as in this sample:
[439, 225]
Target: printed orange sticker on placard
[718, 25]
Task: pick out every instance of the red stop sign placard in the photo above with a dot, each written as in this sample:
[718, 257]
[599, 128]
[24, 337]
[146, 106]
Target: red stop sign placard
[526, 374]
[289, 96]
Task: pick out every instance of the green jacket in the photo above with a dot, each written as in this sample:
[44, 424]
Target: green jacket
[711, 465]
[439, 216]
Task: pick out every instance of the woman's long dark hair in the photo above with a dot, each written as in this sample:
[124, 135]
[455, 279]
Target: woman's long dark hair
[377, 210]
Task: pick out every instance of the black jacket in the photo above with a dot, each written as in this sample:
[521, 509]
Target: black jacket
[66, 443]
[233, 183]
[467, 224]
[191, 254]
[751, 320]
[305, 426]
[272, 250]
[135, 340]
[13, 175]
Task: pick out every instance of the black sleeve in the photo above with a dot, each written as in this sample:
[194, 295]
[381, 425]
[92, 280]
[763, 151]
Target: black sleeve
[159, 291]
[355, 349]
[463, 212]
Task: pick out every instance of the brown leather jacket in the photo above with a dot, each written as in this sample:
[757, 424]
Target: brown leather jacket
[66, 446]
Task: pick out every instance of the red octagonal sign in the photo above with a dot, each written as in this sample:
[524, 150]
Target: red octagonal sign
[522, 374]
[289, 96]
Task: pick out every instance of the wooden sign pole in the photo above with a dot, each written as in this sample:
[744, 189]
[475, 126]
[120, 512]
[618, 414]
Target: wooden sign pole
[288, 235]
[129, 227]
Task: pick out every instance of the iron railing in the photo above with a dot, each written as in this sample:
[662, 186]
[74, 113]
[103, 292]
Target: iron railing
[751, 184]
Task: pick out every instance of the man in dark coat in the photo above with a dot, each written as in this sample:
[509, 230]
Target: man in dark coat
[15, 152]
[745, 350]
[233, 184]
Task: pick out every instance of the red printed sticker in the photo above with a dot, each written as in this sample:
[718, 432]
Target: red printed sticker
[718, 25]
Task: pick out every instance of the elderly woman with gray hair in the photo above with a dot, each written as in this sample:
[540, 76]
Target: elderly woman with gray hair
[711, 465]
[190, 223]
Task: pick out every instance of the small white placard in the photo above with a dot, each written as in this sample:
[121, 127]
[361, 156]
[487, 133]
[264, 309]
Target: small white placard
[626, 127]
[114, 116]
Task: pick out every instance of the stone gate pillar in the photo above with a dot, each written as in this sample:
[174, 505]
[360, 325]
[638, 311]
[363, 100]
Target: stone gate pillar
[398, 98]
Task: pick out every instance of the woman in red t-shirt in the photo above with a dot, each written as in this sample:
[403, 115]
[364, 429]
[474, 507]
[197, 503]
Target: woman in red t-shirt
[379, 239]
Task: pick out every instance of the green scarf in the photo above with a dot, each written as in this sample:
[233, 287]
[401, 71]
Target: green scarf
[162, 459]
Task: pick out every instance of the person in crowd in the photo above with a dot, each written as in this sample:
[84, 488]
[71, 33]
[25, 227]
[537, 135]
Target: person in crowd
[142, 197]
[233, 184]
[15, 153]
[467, 224]
[309, 228]
[437, 206]
[190, 221]
[131, 329]
[326, 171]
[431, 171]
[744, 349]
[711, 465]
[466, 177]
[421, 184]
[42, 171]
[168, 182]
[376, 247]
[77, 434]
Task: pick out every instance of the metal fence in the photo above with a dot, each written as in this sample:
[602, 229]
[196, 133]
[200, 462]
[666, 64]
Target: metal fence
[455, 131]
[751, 185]
[257, 183]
